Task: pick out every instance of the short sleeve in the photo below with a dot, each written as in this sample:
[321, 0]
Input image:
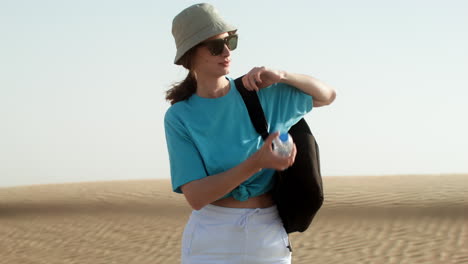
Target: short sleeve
[284, 105]
[185, 161]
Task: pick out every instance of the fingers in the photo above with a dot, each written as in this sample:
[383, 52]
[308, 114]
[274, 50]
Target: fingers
[246, 82]
[256, 76]
[249, 82]
[292, 157]
[281, 162]
[289, 161]
[270, 138]
[270, 159]
[252, 80]
[268, 143]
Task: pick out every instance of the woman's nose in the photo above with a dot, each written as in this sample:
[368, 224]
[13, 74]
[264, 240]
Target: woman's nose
[226, 51]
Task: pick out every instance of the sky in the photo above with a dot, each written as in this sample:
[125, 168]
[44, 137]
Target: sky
[82, 83]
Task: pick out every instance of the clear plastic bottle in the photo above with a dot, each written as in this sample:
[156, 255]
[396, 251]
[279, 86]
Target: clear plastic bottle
[283, 144]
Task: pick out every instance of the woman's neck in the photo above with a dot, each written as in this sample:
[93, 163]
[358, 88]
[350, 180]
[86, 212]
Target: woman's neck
[212, 87]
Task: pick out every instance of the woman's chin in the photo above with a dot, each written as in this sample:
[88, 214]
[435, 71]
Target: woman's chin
[224, 71]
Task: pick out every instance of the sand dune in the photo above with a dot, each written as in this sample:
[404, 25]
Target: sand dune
[388, 219]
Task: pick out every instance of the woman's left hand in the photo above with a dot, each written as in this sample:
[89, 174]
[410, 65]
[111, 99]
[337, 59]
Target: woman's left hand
[261, 77]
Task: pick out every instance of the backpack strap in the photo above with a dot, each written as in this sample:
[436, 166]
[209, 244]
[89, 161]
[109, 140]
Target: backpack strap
[252, 102]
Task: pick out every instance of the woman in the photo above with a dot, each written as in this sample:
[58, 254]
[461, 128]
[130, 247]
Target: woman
[218, 161]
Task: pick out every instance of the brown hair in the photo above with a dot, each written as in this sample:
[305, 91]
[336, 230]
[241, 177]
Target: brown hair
[182, 90]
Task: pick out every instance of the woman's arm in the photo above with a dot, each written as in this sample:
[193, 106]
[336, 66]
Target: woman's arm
[261, 77]
[320, 92]
[204, 191]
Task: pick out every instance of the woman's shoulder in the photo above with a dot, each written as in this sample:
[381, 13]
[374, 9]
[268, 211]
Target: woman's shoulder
[175, 111]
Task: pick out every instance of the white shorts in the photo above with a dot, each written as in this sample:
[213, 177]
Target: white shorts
[232, 235]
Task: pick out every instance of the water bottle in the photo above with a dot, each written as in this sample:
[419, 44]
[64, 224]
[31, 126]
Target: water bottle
[283, 144]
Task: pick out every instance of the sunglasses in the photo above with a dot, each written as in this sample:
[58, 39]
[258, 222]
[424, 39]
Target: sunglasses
[216, 46]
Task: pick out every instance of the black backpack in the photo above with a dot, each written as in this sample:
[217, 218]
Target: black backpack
[297, 191]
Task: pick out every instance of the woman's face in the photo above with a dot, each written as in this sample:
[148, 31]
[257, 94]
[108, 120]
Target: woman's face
[205, 63]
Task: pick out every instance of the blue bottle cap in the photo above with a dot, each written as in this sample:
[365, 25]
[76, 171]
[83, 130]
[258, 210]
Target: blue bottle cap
[284, 137]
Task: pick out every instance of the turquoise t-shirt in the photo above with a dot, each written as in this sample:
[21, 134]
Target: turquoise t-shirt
[207, 136]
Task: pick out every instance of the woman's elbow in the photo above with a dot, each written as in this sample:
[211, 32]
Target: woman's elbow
[196, 205]
[331, 97]
[192, 198]
[325, 101]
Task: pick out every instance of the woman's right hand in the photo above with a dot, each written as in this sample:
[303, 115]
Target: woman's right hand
[266, 158]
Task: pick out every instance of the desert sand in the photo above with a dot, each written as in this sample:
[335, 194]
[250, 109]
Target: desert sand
[379, 219]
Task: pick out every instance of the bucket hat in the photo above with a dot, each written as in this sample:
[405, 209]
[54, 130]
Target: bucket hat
[196, 24]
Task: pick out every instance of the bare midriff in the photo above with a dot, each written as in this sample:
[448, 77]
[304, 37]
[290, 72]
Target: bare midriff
[262, 201]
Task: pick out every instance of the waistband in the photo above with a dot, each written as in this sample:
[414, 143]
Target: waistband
[212, 214]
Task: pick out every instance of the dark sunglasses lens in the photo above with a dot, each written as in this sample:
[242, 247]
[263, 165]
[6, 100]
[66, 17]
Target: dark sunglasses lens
[232, 42]
[216, 46]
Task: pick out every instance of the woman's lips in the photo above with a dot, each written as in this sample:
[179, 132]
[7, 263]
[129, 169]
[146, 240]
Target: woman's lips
[226, 63]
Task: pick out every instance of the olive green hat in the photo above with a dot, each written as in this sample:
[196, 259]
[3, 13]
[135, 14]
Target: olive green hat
[196, 24]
